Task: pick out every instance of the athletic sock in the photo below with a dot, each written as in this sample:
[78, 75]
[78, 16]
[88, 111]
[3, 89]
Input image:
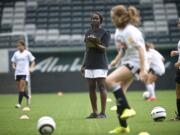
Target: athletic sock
[20, 97]
[121, 102]
[151, 89]
[178, 106]
[120, 99]
[123, 123]
[25, 95]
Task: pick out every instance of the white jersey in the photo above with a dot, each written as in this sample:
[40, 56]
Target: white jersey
[178, 48]
[155, 60]
[132, 38]
[22, 60]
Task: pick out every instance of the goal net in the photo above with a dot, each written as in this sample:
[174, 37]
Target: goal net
[8, 43]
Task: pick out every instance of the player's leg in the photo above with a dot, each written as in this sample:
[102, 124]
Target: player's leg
[125, 85]
[103, 96]
[150, 85]
[121, 74]
[93, 97]
[177, 79]
[178, 100]
[20, 97]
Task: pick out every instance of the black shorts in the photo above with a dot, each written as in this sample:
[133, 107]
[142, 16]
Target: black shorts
[177, 79]
[132, 68]
[21, 77]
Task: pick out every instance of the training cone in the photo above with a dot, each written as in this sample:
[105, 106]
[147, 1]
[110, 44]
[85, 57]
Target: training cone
[60, 93]
[109, 100]
[24, 117]
[143, 133]
[114, 108]
[26, 109]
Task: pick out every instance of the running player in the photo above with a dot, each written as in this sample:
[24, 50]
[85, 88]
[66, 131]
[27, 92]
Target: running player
[156, 69]
[20, 63]
[95, 65]
[177, 65]
[134, 60]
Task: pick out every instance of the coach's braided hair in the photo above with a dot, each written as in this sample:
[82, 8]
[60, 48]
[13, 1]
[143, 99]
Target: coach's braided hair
[123, 16]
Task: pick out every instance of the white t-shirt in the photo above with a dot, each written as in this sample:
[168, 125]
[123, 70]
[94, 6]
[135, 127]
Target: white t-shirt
[132, 38]
[155, 59]
[22, 60]
[178, 48]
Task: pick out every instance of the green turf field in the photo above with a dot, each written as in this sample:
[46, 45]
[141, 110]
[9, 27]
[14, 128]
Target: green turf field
[70, 110]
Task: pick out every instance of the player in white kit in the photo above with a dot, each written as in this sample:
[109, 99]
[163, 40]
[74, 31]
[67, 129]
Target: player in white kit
[156, 69]
[177, 65]
[21, 64]
[134, 61]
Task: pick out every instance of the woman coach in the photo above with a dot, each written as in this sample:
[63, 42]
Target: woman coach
[95, 65]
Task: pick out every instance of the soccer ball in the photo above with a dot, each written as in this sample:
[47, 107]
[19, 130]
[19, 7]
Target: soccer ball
[146, 95]
[46, 125]
[158, 113]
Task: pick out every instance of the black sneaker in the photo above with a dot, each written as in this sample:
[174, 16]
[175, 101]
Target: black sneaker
[92, 116]
[176, 118]
[102, 115]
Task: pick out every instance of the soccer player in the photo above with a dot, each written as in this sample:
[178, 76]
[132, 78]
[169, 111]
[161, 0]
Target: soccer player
[156, 69]
[95, 65]
[20, 63]
[177, 65]
[133, 62]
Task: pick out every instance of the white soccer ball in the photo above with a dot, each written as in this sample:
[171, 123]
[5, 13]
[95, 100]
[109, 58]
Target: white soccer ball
[146, 95]
[158, 113]
[46, 125]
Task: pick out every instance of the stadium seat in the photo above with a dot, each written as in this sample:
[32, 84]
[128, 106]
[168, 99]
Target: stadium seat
[72, 18]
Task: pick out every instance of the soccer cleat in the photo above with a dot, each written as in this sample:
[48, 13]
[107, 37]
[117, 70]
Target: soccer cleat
[92, 116]
[127, 113]
[176, 118]
[152, 99]
[119, 130]
[17, 106]
[102, 115]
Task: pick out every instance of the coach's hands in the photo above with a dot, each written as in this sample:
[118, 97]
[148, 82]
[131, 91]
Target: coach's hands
[82, 70]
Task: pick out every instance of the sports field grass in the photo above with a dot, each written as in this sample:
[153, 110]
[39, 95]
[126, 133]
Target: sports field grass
[70, 110]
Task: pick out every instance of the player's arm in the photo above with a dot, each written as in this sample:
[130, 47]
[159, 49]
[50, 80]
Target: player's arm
[32, 65]
[83, 64]
[13, 65]
[177, 64]
[143, 72]
[118, 57]
[174, 53]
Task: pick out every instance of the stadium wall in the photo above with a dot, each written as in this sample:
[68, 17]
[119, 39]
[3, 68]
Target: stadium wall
[60, 71]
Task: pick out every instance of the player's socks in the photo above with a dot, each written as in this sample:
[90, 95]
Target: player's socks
[120, 99]
[20, 97]
[25, 95]
[178, 106]
[123, 123]
[151, 89]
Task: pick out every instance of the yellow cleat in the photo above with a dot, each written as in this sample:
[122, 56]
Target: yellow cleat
[120, 130]
[128, 113]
